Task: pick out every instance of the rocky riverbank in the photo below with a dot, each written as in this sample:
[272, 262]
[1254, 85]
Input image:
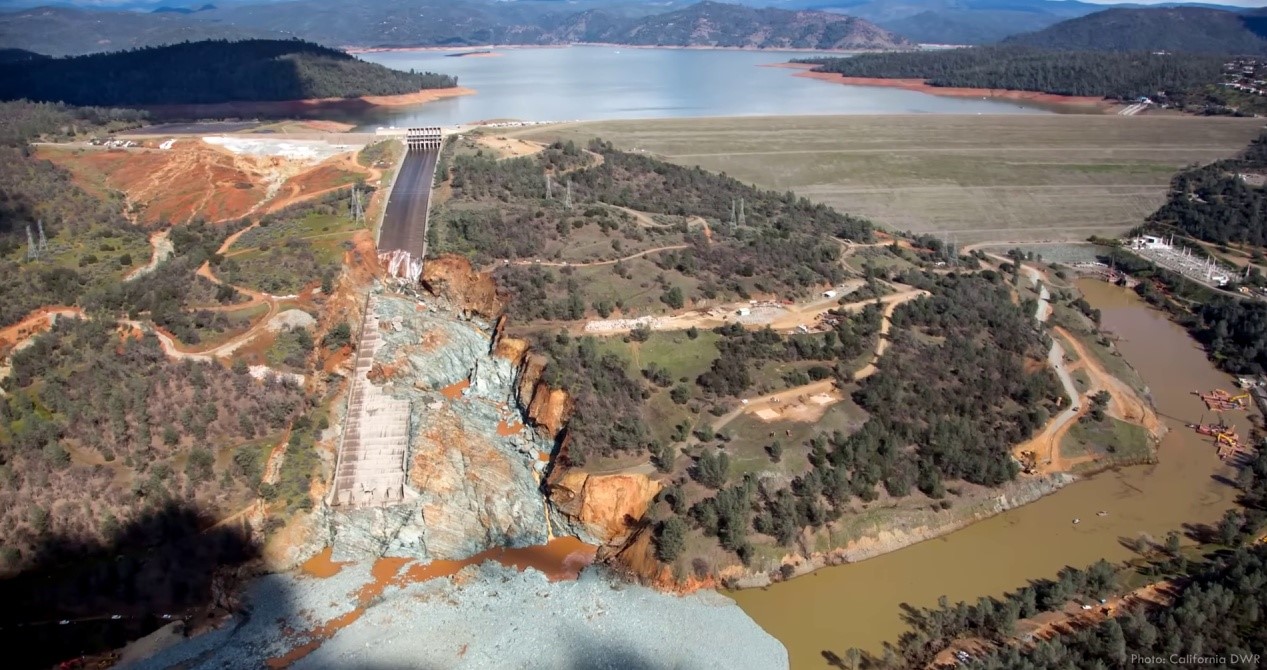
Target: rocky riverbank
[892, 535]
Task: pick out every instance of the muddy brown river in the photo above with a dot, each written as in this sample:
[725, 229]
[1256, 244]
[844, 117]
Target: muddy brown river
[856, 605]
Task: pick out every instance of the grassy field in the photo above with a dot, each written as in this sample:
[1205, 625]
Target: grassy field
[1119, 441]
[1014, 178]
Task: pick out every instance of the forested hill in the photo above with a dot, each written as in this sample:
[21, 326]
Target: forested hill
[1105, 74]
[1221, 202]
[208, 72]
[1178, 29]
[716, 24]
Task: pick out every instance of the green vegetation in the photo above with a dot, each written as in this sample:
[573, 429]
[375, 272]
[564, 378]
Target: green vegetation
[166, 295]
[1057, 176]
[379, 154]
[293, 248]
[1124, 76]
[25, 121]
[101, 429]
[87, 238]
[210, 72]
[1174, 29]
[290, 350]
[1220, 202]
[500, 210]
[1109, 440]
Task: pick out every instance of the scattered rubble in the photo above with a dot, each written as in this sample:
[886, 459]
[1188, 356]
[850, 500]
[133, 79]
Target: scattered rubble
[432, 387]
[486, 616]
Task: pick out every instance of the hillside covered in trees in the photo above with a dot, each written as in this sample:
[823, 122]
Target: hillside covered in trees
[208, 72]
[500, 212]
[1123, 76]
[1220, 202]
[1175, 29]
[726, 25]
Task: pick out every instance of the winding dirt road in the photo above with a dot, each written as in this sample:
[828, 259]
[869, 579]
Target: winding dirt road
[827, 386]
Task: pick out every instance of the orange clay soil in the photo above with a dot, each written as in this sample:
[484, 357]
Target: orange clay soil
[923, 87]
[194, 178]
[560, 558]
[299, 107]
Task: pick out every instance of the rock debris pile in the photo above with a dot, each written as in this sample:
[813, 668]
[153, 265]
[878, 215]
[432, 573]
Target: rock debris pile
[471, 473]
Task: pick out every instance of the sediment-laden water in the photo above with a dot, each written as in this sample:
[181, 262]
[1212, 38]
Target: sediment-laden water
[857, 605]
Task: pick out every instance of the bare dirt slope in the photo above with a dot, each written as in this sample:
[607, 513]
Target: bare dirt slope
[194, 178]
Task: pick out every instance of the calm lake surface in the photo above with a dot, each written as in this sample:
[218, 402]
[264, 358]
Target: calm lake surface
[596, 82]
[857, 605]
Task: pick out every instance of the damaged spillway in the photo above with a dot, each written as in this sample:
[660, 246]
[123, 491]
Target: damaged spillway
[433, 462]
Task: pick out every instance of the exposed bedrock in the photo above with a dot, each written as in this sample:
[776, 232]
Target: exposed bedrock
[472, 471]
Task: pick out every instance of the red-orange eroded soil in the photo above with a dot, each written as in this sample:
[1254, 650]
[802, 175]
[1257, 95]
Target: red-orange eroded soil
[923, 87]
[194, 178]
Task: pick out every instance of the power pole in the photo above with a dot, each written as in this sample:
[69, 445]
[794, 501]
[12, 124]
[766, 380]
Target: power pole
[549, 187]
[733, 221]
[358, 211]
[567, 201]
[740, 222]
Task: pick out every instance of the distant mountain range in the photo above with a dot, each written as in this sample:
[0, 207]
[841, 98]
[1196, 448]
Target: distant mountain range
[803, 24]
[1183, 29]
[715, 24]
[396, 23]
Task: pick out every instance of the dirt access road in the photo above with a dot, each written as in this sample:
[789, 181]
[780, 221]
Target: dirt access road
[1124, 403]
[782, 402]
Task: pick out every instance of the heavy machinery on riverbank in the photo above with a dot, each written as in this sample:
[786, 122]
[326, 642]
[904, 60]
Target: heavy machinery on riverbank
[1219, 400]
[1225, 437]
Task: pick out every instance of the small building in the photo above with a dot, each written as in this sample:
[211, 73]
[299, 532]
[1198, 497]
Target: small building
[829, 294]
[1149, 242]
[744, 311]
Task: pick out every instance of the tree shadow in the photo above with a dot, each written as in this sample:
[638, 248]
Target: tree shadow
[1202, 533]
[75, 597]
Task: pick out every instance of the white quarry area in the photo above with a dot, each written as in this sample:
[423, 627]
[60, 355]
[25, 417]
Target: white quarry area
[487, 616]
[424, 471]
[297, 150]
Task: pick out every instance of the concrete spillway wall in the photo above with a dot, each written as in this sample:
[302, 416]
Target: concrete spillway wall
[402, 239]
[370, 469]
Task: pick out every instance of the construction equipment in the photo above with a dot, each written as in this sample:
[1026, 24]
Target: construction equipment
[1228, 443]
[1211, 429]
[1029, 461]
[1222, 401]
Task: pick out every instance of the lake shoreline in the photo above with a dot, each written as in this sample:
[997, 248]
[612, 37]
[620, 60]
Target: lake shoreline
[805, 70]
[300, 107]
[510, 47]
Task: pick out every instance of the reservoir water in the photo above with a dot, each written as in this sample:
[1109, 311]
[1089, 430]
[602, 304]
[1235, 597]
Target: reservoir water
[857, 605]
[610, 82]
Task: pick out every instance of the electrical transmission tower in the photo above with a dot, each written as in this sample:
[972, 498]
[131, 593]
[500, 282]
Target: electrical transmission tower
[739, 221]
[358, 211]
[567, 199]
[549, 187]
[39, 224]
[31, 252]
